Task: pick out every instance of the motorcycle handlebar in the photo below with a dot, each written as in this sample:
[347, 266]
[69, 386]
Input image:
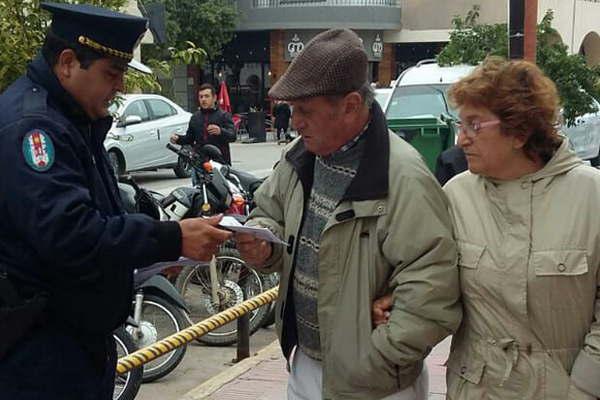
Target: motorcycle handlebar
[172, 148]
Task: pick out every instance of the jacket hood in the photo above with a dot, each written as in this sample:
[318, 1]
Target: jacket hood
[563, 161]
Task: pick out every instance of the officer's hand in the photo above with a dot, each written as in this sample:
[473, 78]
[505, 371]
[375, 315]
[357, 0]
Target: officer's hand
[254, 251]
[200, 239]
[174, 138]
[381, 309]
[213, 129]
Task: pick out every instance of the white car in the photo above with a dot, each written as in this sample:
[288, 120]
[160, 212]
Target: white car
[141, 130]
[584, 136]
[382, 96]
[422, 90]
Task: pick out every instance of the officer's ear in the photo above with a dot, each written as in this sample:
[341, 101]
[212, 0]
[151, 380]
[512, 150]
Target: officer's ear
[66, 63]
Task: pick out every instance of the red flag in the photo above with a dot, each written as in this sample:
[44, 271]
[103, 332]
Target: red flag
[223, 98]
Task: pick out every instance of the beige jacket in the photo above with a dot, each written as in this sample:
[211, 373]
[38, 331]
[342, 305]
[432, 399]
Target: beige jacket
[529, 251]
[392, 231]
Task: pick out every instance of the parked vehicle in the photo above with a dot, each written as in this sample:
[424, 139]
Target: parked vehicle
[158, 312]
[585, 136]
[126, 385]
[382, 96]
[419, 111]
[142, 127]
[226, 281]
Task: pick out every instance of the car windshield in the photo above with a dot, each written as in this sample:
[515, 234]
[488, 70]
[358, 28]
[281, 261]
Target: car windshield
[412, 101]
[382, 95]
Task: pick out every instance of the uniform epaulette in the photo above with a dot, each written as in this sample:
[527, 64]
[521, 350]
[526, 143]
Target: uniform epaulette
[34, 101]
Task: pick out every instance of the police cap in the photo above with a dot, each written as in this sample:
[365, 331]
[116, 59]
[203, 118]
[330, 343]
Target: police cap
[105, 31]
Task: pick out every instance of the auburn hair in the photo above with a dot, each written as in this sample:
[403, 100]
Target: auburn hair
[521, 95]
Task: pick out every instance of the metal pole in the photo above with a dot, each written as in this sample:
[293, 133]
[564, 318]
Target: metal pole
[516, 21]
[243, 338]
[531, 11]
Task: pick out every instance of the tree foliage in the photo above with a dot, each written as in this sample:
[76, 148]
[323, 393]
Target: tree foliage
[209, 24]
[470, 42]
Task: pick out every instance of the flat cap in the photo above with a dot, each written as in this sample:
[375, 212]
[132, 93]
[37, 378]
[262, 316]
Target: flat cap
[107, 32]
[333, 63]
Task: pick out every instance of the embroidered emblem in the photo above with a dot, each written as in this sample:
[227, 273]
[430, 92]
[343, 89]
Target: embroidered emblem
[38, 150]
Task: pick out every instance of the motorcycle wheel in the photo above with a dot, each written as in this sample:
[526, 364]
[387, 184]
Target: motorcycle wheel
[237, 282]
[128, 384]
[160, 319]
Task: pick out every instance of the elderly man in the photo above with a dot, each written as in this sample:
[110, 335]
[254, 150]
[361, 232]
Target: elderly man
[363, 217]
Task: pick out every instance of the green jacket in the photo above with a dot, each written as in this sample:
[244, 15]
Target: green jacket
[391, 231]
[529, 255]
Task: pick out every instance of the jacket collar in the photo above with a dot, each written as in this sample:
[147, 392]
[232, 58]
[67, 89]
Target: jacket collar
[372, 178]
[41, 73]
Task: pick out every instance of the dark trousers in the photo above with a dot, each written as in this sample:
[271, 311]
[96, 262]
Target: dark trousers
[52, 365]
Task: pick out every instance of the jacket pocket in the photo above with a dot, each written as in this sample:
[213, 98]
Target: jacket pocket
[469, 254]
[560, 262]
[469, 368]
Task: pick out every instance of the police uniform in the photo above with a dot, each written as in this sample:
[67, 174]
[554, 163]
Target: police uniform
[63, 231]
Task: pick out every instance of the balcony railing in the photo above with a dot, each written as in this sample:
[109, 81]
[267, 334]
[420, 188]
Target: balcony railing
[324, 3]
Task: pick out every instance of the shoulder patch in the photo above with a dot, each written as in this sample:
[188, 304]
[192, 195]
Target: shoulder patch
[38, 150]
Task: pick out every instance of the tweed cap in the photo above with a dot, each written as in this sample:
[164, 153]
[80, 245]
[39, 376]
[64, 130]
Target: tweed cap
[334, 62]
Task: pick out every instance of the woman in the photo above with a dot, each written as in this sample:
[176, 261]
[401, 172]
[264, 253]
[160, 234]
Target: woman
[528, 232]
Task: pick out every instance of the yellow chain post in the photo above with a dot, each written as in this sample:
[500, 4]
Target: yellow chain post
[155, 350]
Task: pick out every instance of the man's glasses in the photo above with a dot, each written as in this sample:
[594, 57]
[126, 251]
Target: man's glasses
[471, 129]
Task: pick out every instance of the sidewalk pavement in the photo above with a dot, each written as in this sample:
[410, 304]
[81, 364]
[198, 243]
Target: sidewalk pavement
[264, 377]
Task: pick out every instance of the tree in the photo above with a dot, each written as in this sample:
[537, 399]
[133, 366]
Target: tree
[470, 42]
[209, 24]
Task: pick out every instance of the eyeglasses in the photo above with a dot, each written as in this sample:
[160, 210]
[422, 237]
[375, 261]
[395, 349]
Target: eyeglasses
[471, 129]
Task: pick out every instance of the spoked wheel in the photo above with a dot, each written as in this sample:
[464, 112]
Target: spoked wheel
[128, 384]
[236, 284]
[160, 319]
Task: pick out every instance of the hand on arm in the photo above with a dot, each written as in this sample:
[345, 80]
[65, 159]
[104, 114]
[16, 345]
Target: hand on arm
[381, 310]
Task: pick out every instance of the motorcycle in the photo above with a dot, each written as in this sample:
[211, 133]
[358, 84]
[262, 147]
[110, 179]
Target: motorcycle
[158, 310]
[227, 281]
[128, 384]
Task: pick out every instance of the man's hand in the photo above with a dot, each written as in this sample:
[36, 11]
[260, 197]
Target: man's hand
[254, 251]
[213, 129]
[200, 239]
[381, 309]
[174, 138]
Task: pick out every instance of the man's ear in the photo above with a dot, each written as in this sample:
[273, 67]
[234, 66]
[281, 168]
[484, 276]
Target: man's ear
[66, 64]
[352, 102]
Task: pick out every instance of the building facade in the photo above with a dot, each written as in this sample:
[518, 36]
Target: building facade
[396, 34]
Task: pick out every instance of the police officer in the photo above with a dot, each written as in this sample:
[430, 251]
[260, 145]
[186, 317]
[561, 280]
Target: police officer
[67, 250]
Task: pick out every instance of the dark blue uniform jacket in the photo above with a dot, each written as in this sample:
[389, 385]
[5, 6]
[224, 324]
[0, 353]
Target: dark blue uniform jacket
[64, 231]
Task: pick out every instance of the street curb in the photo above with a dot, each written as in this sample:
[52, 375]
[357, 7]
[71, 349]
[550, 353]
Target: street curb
[207, 388]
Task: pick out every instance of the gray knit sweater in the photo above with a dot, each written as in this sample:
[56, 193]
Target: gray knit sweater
[332, 176]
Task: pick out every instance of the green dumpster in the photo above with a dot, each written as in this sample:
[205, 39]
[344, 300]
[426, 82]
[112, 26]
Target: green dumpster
[429, 134]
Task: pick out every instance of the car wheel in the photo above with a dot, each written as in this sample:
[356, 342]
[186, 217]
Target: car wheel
[183, 169]
[117, 162]
[596, 160]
